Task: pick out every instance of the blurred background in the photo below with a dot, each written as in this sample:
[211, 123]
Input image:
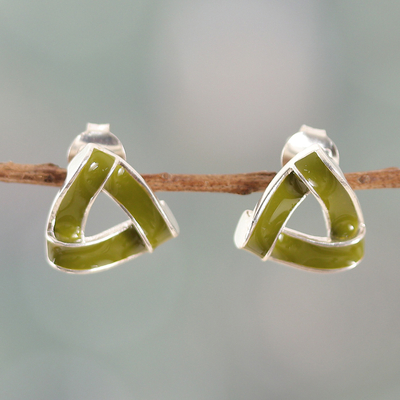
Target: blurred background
[199, 87]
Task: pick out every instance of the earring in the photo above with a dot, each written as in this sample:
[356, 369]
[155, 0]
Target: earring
[310, 165]
[97, 163]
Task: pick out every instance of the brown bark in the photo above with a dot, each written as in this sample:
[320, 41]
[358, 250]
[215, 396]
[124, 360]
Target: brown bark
[246, 183]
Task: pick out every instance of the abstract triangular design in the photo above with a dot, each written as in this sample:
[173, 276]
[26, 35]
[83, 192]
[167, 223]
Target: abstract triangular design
[92, 170]
[263, 230]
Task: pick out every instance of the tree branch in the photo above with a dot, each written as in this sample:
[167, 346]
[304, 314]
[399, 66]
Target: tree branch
[52, 175]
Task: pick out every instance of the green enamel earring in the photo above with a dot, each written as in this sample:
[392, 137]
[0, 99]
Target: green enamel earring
[310, 166]
[97, 163]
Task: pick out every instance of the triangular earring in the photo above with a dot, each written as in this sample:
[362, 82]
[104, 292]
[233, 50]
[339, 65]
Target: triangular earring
[310, 162]
[97, 163]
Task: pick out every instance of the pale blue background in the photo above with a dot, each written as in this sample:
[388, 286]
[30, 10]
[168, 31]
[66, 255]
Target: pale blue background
[199, 87]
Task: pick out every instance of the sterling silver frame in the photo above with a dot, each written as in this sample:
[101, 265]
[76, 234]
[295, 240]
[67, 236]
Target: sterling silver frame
[250, 218]
[74, 168]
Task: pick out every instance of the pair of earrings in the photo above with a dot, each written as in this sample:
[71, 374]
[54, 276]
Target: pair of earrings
[97, 162]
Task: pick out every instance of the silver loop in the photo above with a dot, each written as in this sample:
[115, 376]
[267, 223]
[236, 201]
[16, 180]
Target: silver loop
[98, 134]
[305, 138]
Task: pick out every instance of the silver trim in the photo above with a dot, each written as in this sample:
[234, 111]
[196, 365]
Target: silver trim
[330, 158]
[74, 168]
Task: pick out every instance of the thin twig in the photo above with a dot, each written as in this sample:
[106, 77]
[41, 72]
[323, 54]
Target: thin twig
[52, 175]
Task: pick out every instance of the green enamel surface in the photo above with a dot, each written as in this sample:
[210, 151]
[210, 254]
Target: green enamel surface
[290, 191]
[128, 192]
[342, 213]
[90, 256]
[299, 252]
[70, 214]
[341, 210]
[68, 222]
